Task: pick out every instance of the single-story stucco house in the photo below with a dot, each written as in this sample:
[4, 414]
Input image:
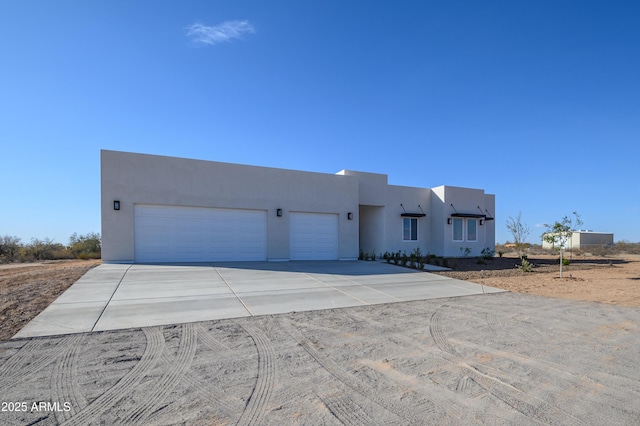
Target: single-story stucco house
[166, 209]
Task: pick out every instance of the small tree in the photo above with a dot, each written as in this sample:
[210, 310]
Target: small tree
[559, 233]
[43, 249]
[520, 231]
[85, 245]
[9, 247]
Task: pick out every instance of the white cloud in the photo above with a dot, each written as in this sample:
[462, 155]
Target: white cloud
[228, 30]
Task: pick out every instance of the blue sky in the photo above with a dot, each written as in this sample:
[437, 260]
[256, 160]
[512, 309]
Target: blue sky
[537, 102]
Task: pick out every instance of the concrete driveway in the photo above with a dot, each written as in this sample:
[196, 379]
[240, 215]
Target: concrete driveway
[114, 296]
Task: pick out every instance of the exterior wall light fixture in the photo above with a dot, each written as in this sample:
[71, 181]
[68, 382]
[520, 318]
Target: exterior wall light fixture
[279, 212]
[116, 204]
[448, 221]
[349, 216]
[481, 221]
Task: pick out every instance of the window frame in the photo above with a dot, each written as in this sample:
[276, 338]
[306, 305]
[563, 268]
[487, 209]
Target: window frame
[453, 231]
[463, 225]
[413, 230]
[475, 222]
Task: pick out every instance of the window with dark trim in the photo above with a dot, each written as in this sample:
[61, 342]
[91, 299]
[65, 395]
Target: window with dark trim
[457, 229]
[409, 229]
[465, 229]
[472, 230]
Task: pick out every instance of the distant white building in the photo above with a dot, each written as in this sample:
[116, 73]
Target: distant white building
[583, 240]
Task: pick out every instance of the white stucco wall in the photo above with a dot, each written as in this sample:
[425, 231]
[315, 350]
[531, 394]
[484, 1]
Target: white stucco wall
[372, 229]
[410, 198]
[376, 206]
[150, 179]
[464, 200]
[372, 187]
[380, 213]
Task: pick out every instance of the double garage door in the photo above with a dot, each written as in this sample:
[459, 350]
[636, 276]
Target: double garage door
[195, 234]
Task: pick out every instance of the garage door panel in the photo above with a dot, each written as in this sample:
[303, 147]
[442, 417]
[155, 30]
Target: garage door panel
[313, 236]
[173, 233]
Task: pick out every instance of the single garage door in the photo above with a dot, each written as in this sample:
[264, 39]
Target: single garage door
[313, 236]
[196, 234]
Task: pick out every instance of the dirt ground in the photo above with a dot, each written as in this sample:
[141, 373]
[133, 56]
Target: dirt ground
[506, 358]
[27, 288]
[614, 280]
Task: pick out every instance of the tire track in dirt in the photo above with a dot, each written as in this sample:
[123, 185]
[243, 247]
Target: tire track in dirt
[347, 378]
[347, 411]
[128, 383]
[259, 398]
[448, 408]
[217, 395]
[563, 376]
[64, 385]
[522, 402]
[468, 387]
[435, 328]
[528, 405]
[209, 341]
[152, 401]
[224, 404]
[31, 358]
[445, 406]
[493, 322]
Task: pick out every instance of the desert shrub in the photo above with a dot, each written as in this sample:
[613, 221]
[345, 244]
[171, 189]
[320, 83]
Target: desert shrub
[80, 246]
[42, 249]
[86, 256]
[61, 253]
[565, 261]
[525, 265]
[536, 249]
[488, 253]
[88, 245]
[626, 247]
[9, 248]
